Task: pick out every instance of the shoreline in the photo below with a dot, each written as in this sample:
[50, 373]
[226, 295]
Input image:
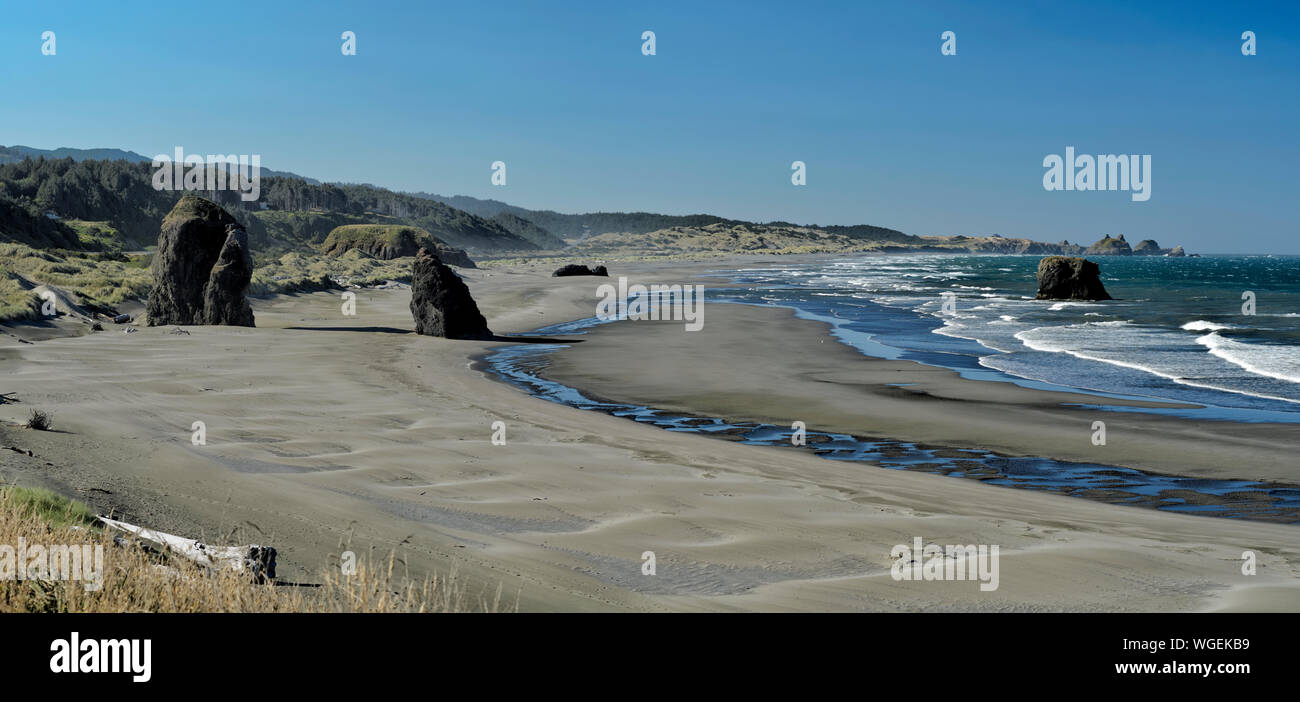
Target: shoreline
[322, 428]
[908, 390]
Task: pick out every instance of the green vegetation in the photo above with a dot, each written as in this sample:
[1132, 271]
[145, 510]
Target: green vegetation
[291, 230]
[383, 241]
[97, 280]
[17, 301]
[52, 509]
[578, 226]
[133, 579]
[295, 272]
[526, 229]
[96, 236]
[120, 195]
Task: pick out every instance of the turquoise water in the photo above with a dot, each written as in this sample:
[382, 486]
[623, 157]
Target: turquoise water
[1175, 331]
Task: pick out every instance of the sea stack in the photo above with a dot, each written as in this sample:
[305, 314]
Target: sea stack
[1148, 247]
[201, 269]
[1109, 246]
[1070, 278]
[441, 303]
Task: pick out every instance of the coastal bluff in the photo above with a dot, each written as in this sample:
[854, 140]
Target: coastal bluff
[387, 242]
[1070, 278]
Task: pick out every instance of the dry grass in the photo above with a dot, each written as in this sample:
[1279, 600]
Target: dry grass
[295, 272]
[90, 277]
[139, 579]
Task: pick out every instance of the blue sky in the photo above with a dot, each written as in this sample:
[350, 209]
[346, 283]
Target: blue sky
[893, 133]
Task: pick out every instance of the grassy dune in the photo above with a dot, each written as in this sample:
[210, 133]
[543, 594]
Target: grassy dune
[140, 579]
[103, 281]
[97, 279]
[377, 239]
[295, 272]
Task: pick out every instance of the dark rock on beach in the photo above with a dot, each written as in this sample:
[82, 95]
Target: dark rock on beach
[575, 269]
[441, 303]
[1070, 278]
[202, 268]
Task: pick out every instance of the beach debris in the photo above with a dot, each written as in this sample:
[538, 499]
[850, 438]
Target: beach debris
[7, 397]
[40, 420]
[25, 452]
[258, 561]
[441, 303]
[96, 326]
[1070, 278]
[178, 330]
[130, 330]
[202, 268]
[576, 269]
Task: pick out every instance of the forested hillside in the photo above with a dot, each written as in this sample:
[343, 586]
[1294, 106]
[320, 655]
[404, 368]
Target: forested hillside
[290, 212]
[578, 226]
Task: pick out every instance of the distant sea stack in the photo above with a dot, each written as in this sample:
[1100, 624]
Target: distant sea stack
[1109, 246]
[441, 303]
[575, 269]
[1147, 247]
[1070, 278]
[389, 241]
[201, 269]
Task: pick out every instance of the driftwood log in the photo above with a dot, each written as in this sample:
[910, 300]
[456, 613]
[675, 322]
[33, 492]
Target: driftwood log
[258, 561]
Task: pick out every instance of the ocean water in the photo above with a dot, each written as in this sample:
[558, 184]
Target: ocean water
[1176, 330]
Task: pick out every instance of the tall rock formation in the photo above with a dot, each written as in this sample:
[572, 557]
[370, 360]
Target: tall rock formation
[201, 269]
[441, 303]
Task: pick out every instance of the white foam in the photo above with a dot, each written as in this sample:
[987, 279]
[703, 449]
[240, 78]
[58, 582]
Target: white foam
[1202, 325]
[1035, 340]
[1268, 360]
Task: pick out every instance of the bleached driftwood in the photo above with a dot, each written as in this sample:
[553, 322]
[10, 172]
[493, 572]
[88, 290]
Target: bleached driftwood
[258, 561]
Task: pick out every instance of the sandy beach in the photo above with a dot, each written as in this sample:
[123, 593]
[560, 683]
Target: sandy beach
[323, 428]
